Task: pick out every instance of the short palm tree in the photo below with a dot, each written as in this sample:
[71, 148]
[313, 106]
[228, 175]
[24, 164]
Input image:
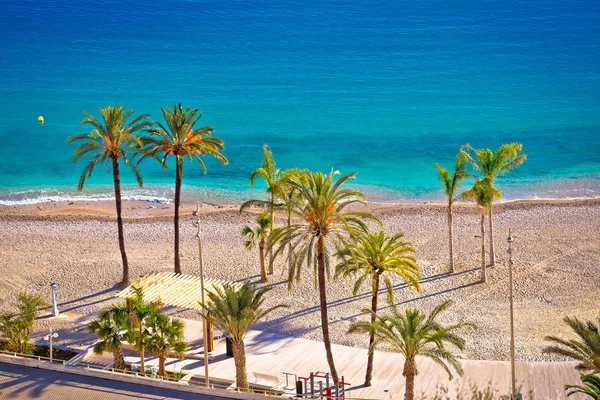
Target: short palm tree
[235, 310]
[258, 235]
[110, 140]
[490, 165]
[451, 190]
[140, 313]
[590, 386]
[585, 348]
[111, 326]
[322, 205]
[483, 194]
[179, 137]
[269, 172]
[414, 334]
[288, 194]
[166, 336]
[378, 256]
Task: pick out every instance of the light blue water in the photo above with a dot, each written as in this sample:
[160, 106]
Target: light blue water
[385, 88]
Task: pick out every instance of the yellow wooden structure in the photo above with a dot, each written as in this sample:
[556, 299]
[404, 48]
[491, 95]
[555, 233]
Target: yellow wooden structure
[178, 290]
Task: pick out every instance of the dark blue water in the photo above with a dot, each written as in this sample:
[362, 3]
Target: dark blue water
[382, 88]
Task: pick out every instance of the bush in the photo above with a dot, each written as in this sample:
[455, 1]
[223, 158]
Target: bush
[17, 328]
[475, 393]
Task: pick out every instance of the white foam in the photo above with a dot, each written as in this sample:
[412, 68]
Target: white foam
[73, 198]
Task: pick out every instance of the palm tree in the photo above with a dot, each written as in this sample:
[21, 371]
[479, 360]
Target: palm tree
[590, 386]
[111, 139]
[380, 257]
[259, 235]
[111, 326]
[585, 349]
[413, 334]
[490, 165]
[289, 197]
[166, 336]
[269, 172]
[180, 138]
[451, 185]
[321, 204]
[140, 313]
[482, 193]
[235, 311]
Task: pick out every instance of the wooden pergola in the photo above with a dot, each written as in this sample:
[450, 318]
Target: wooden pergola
[178, 290]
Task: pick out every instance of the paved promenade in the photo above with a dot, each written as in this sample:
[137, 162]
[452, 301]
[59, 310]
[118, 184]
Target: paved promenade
[19, 383]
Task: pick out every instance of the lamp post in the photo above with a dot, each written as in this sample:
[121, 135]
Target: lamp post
[196, 213]
[49, 338]
[513, 395]
[54, 304]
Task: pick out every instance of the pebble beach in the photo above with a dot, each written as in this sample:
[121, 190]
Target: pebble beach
[556, 248]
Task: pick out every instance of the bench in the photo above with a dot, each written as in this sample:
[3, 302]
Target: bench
[267, 381]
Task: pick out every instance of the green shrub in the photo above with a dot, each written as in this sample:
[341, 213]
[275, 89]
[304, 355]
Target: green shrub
[17, 328]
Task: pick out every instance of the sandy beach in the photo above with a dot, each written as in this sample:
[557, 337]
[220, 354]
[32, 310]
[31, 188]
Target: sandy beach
[557, 252]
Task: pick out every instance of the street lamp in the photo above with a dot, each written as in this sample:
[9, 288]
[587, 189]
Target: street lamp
[196, 213]
[49, 338]
[513, 394]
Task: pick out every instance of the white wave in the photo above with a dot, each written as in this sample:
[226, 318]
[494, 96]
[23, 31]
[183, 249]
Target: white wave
[74, 198]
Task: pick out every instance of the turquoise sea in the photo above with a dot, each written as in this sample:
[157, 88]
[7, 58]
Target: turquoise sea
[385, 88]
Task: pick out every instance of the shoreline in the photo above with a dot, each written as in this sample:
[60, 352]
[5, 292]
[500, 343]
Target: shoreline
[145, 210]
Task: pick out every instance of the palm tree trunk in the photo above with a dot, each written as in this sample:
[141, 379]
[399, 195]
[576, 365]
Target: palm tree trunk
[263, 269]
[290, 248]
[142, 358]
[410, 371]
[369, 374]
[117, 181]
[161, 365]
[491, 233]
[239, 357]
[178, 173]
[271, 230]
[483, 277]
[450, 238]
[323, 304]
[142, 361]
[119, 360]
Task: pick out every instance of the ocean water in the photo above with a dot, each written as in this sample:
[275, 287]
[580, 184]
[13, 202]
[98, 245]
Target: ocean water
[384, 88]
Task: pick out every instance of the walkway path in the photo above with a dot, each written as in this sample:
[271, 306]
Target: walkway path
[273, 354]
[18, 383]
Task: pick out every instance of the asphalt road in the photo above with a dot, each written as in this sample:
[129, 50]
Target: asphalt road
[18, 382]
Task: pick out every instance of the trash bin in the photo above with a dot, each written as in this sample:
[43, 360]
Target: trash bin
[229, 346]
[299, 388]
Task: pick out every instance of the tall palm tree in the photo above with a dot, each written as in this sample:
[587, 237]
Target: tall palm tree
[179, 137]
[378, 256]
[483, 194]
[140, 313]
[322, 206]
[112, 138]
[269, 172]
[490, 165]
[235, 311]
[590, 386]
[413, 334]
[259, 235]
[111, 326]
[166, 336]
[585, 348]
[451, 186]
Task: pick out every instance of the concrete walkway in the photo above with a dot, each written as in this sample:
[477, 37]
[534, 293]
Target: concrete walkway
[20, 383]
[273, 354]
